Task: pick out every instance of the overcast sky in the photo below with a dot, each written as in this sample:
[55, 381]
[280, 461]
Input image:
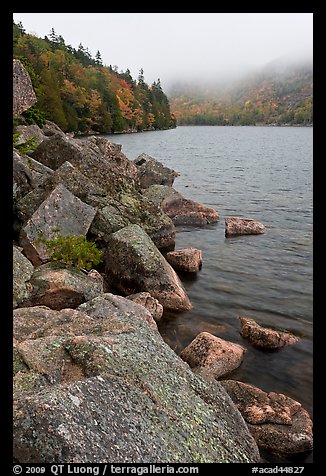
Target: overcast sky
[178, 46]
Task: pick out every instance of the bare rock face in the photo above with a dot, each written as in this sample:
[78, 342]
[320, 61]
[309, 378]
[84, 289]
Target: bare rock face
[278, 423]
[182, 211]
[60, 288]
[61, 213]
[212, 356]
[243, 226]
[149, 302]
[24, 96]
[151, 172]
[188, 259]
[264, 337]
[134, 264]
[22, 272]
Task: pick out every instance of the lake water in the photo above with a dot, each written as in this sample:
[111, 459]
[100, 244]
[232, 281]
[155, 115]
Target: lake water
[257, 172]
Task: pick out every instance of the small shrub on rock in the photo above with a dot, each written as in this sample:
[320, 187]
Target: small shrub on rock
[73, 250]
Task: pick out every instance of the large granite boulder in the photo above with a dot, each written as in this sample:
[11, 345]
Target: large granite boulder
[152, 172]
[115, 391]
[22, 272]
[23, 93]
[134, 264]
[130, 208]
[109, 170]
[61, 213]
[189, 260]
[181, 210]
[29, 132]
[265, 337]
[235, 226]
[278, 423]
[212, 356]
[60, 288]
[98, 173]
[28, 174]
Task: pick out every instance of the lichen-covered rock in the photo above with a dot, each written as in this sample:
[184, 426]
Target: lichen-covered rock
[59, 288]
[134, 264]
[188, 259]
[148, 301]
[28, 174]
[129, 208]
[264, 337]
[22, 178]
[50, 128]
[212, 356]
[23, 93]
[181, 210]
[278, 423]
[61, 213]
[134, 401]
[235, 226]
[29, 132]
[151, 172]
[113, 174]
[22, 272]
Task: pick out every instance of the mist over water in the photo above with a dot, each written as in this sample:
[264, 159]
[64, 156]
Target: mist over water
[258, 172]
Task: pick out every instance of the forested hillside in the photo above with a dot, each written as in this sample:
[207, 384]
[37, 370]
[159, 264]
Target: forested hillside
[80, 94]
[271, 97]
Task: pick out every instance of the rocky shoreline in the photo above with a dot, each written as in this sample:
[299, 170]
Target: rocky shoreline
[93, 379]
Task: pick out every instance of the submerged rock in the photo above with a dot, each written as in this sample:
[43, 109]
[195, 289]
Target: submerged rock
[127, 396]
[189, 260]
[212, 356]
[278, 423]
[134, 264]
[263, 336]
[152, 172]
[61, 213]
[243, 226]
[59, 288]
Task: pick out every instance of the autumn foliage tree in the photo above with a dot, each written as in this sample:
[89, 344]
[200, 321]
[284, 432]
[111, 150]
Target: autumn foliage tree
[80, 94]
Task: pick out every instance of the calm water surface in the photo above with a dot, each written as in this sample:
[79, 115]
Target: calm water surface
[258, 172]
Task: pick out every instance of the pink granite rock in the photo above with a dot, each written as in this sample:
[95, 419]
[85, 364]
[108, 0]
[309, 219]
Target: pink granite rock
[278, 423]
[263, 336]
[188, 259]
[212, 356]
[243, 226]
[24, 96]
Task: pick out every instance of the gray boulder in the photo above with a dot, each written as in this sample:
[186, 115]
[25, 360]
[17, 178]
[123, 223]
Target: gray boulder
[278, 423]
[131, 400]
[181, 210]
[30, 132]
[61, 213]
[59, 288]
[23, 93]
[212, 356]
[131, 208]
[265, 337]
[22, 272]
[235, 226]
[152, 172]
[134, 264]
